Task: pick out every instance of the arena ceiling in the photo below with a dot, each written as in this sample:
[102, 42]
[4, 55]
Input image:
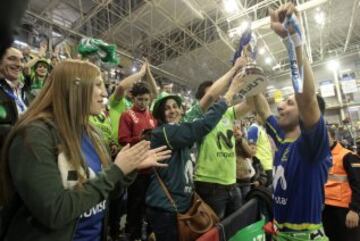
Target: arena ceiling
[189, 41]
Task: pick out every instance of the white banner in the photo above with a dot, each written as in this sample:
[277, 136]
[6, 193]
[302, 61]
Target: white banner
[327, 88]
[348, 86]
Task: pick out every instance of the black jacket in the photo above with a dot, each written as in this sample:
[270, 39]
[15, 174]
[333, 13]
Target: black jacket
[9, 111]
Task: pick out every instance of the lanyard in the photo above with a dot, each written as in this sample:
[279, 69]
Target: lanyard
[18, 100]
[297, 73]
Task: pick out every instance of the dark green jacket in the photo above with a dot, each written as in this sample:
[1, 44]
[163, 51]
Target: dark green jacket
[42, 209]
[178, 176]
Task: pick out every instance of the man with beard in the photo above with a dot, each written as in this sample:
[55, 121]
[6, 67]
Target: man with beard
[303, 157]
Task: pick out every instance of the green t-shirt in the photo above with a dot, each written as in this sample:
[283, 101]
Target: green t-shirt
[216, 162]
[117, 107]
[193, 113]
[257, 135]
[104, 126]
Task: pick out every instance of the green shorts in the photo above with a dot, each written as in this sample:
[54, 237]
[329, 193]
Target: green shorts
[318, 235]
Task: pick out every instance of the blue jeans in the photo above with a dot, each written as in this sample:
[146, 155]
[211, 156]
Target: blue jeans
[223, 199]
[163, 224]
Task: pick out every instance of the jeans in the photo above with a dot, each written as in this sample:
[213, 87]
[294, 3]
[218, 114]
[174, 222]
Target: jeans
[163, 224]
[223, 199]
[244, 189]
[117, 209]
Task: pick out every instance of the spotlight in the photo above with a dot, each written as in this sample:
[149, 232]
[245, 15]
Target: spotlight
[333, 65]
[230, 6]
[261, 50]
[320, 17]
[268, 60]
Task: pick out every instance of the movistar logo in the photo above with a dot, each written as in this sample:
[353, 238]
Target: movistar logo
[100, 207]
[225, 139]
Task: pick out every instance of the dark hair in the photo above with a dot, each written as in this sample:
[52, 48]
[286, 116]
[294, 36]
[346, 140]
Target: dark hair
[201, 89]
[146, 134]
[140, 88]
[161, 110]
[41, 62]
[321, 104]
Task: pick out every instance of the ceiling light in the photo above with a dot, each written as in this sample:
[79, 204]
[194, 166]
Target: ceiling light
[333, 64]
[320, 18]
[230, 6]
[244, 25]
[268, 60]
[134, 69]
[231, 34]
[261, 50]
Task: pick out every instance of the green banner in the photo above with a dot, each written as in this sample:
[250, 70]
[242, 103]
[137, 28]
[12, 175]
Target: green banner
[253, 232]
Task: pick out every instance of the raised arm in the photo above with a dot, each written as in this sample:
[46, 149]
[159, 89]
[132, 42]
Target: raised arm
[187, 133]
[151, 80]
[41, 54]
[260, 105]
[241, 109]
[128, 82]
[220, 85]
[306, 100]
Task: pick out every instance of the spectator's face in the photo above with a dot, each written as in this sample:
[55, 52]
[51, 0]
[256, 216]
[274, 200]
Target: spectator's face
[172, 111]
[42, 69]
[54, 61]
[142, 102]
[168, 88]
[11, 64]
[288, 113]
[99, 93]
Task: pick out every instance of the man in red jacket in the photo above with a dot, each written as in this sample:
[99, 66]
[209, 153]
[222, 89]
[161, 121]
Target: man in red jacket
[132, 124]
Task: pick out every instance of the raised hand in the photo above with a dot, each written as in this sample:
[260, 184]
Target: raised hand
[144, 68]
[237, 82]
[154, 158]
[43, 48]
[129, 158]
[277, 19]
[239, 63]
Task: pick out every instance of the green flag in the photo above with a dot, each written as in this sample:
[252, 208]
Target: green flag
[253, 232]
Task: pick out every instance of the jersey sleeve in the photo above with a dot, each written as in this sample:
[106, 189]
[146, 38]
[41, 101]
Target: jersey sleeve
[253, 134]
[316, 141]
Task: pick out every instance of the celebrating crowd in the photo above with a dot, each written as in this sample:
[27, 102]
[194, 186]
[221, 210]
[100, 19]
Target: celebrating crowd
[73, 165]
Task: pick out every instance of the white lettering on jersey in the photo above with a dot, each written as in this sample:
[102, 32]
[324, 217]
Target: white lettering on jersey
[279, 176]
[100, 207]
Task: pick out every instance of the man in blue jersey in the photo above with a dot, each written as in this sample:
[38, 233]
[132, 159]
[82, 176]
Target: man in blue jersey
[303, 156]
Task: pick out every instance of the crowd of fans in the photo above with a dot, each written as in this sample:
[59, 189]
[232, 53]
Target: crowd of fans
[58, 135]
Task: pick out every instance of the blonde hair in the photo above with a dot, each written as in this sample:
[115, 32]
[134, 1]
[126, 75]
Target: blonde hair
[64, 100]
